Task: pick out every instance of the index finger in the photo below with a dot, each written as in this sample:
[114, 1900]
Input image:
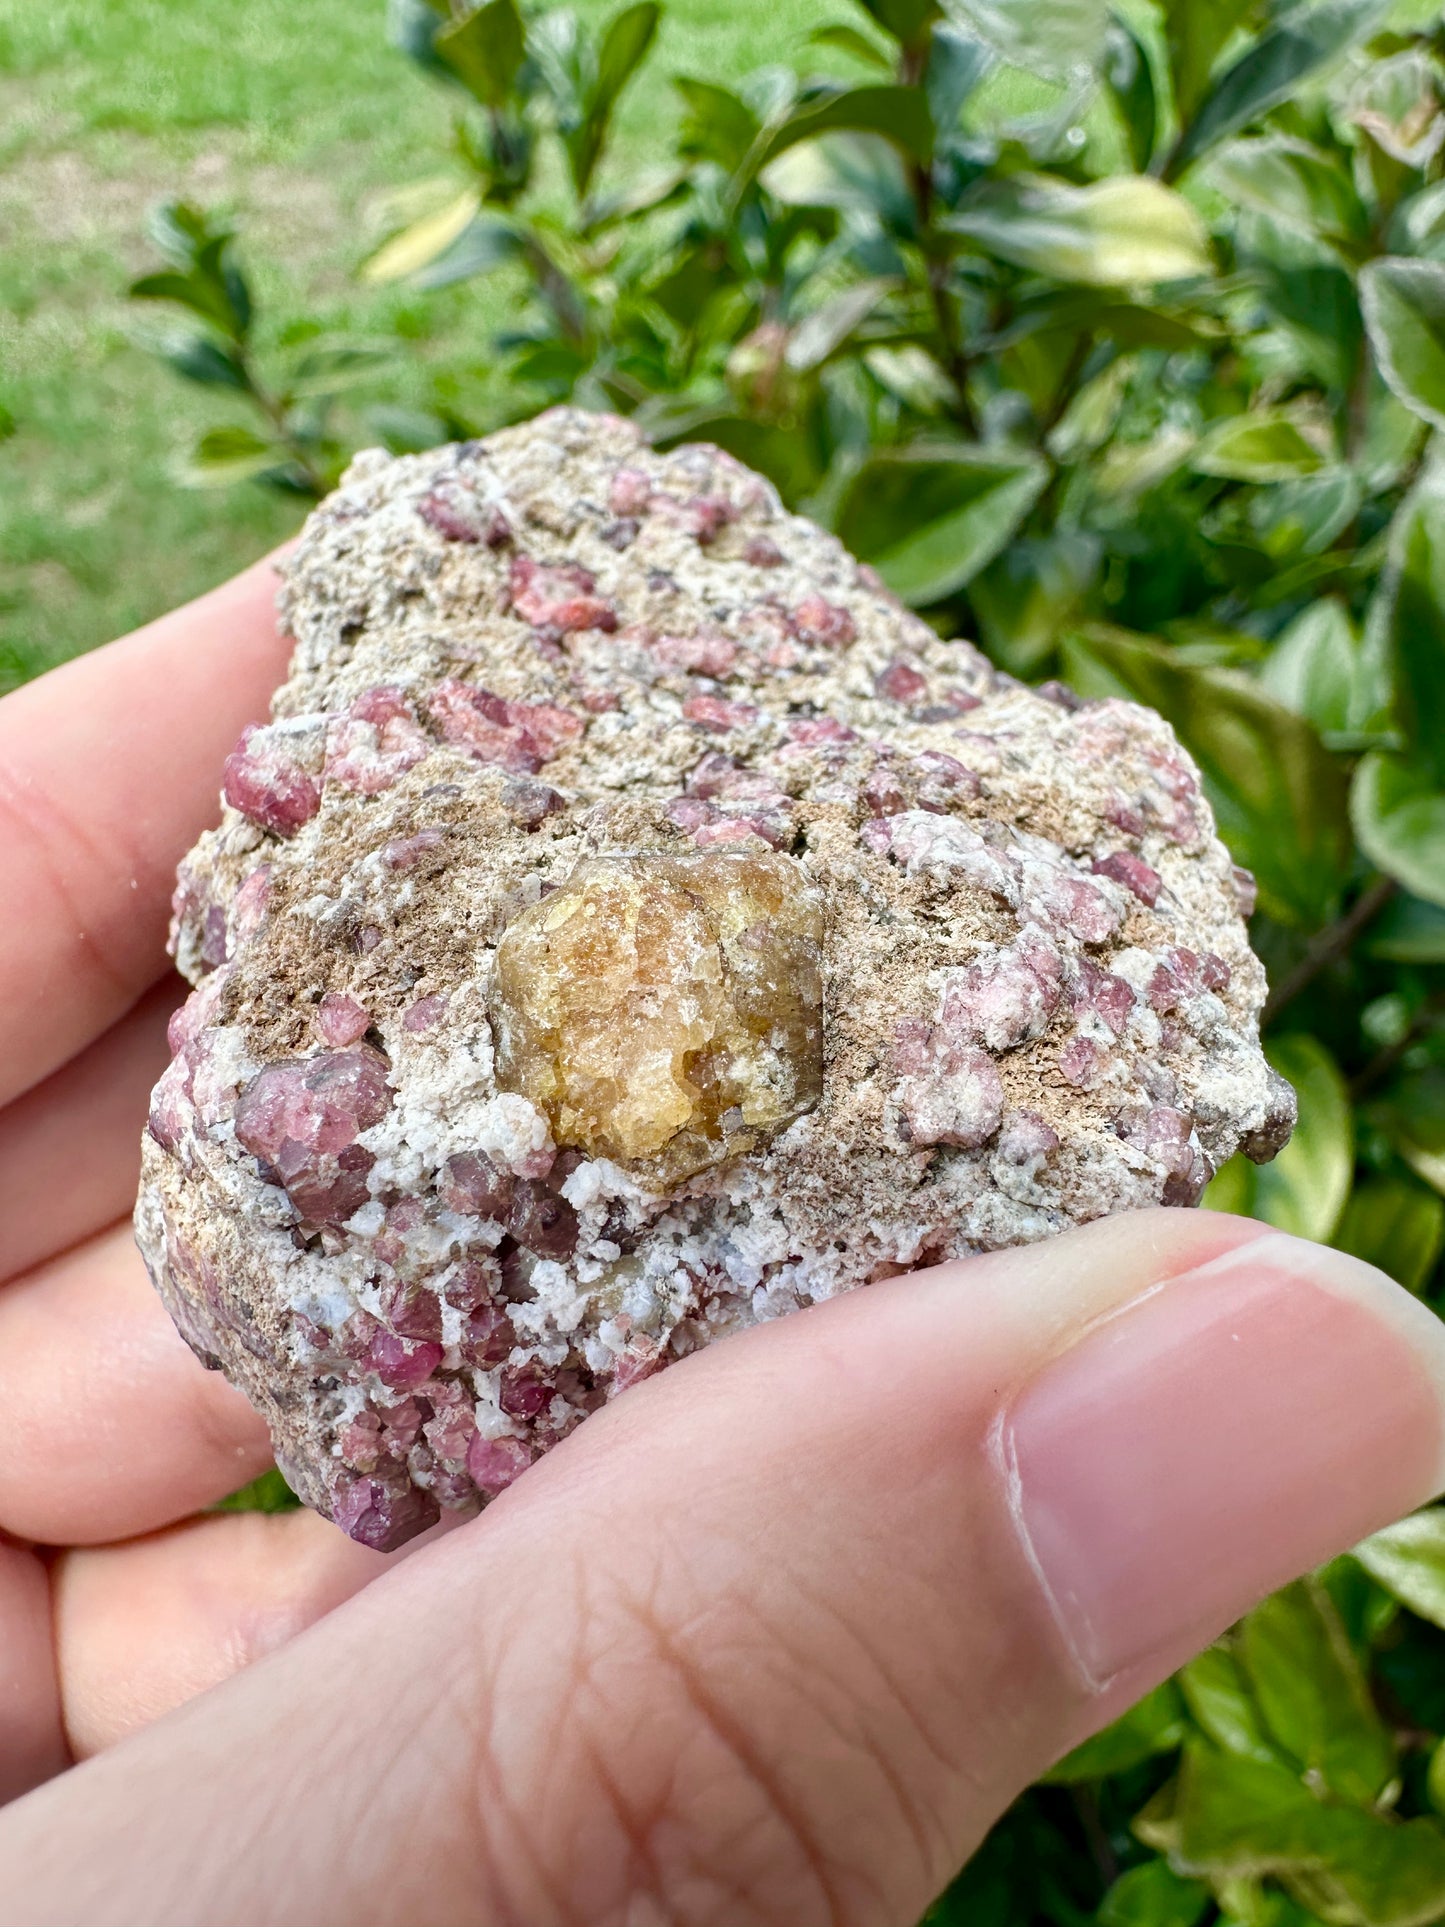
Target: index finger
[109, 769]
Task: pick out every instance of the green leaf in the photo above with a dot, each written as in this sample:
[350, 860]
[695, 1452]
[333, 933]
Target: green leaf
[853, 171]
[1399, 820]
[624, 47]
[1154, 1896]
[1056, 40]
[1264, 446]
[230, 454]
[848, 40]
[1302, 40]
[1312, 1693]
[906, 20]
[1403, 303]
[1397, 1225]
[1304, 517]
[781, 454]
[1407, 931]
[930, 517]
[718, 125]
[1217, 1694]
[1244, 1817]
[1122, 232]
[332, 366]
[1195, 35]
[1239, 1815]
[1154, 1724]
[1414, 599]
[1319, 669]
[180, 230]
[202, 360]
[482, 246]
[1278, 794]
[269, 1493]
[1131, 81]
[898, 114]
[1294, 183]
[423, 241]
[1030, 594]
[957, 63]
[1408, 1560]
[485, 50]
[821, 333]
[204, 297]
[1303, 1191]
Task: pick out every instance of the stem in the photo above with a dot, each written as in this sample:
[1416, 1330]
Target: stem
[1086, 1805]
[1331, 943]
[1385, 1060]
[912, 64]
[276, 415]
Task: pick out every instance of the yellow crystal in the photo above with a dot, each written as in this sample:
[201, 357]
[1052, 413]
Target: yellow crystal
[666, 1011]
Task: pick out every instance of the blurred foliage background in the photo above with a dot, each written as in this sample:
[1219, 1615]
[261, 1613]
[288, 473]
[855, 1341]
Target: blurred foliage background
[1115, 339]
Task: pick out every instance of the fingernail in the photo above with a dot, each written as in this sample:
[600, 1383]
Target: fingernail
[1218, 1436]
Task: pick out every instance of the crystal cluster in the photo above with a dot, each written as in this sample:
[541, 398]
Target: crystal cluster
[666, 1011]
[632, 924]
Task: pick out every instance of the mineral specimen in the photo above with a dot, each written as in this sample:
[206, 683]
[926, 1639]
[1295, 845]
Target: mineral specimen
[631, 925]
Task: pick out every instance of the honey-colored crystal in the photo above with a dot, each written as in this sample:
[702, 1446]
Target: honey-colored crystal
[666, 1011]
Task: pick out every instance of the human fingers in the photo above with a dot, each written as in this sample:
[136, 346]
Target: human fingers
[775, 1637]
[32, 1738]
[112, 1428]
[108, 772]
[143, 1626]
[70, 1146]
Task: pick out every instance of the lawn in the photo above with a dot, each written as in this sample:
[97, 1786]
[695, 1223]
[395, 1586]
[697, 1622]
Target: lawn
[294, 118]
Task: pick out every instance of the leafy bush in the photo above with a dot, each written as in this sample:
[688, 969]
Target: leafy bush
[1117, 342]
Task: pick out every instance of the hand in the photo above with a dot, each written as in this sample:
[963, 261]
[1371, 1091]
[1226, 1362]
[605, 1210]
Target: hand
[771, 1640]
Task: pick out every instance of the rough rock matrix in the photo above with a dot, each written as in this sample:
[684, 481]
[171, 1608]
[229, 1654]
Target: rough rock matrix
[633, 925]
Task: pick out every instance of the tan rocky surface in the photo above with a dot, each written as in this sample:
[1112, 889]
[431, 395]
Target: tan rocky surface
[633, 924]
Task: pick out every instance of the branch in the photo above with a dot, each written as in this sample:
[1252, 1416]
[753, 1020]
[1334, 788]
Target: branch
[1331, 943]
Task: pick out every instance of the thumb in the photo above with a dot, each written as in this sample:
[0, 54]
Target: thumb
[777, 1637]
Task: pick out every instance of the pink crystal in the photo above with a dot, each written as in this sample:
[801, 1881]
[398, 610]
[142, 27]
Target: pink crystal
[456, 513]
[248, 907]
[1004, 998]
[716, 713]
[402, 852]
[811, 730]
[702, 654]
[267, 785]
[525, 1392]
[559, 597]
[424, 1013]
[517, 736]
[341, 1020]
[541, 1221]
[763, 553]
[817, 620]
[402, 1363]
[301, 1118]
[1079, 1061]
[494, 1463]
[374, 742]
[474, 1187]
[375, 1515]
[900, 682]
[630, 493]
[1133, 872]
[958, 1101]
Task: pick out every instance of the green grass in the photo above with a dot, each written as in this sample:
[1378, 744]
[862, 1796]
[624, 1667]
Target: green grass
[294, 117]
